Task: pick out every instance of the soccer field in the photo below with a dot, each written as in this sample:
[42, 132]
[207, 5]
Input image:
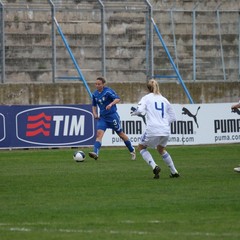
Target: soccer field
[46, 195]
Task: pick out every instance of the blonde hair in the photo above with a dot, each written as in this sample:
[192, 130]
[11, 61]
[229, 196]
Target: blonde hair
[153, 87]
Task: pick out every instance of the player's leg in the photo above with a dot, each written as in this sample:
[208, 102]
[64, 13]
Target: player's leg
[97, 145]
[128, 144]
[101, 127]
[166, 156]
[147, 157]
[115, 124]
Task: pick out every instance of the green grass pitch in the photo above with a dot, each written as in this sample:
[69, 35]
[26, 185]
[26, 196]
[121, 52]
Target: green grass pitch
[46, 195]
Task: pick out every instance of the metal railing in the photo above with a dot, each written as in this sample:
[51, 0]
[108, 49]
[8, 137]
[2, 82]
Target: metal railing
[116, 40]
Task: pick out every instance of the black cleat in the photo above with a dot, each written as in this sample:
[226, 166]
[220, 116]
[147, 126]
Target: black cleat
[156, 172]
[174, 175]
[93, 155]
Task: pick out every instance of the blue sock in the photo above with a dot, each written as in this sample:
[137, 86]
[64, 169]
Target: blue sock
[129, 145]
[97, 146]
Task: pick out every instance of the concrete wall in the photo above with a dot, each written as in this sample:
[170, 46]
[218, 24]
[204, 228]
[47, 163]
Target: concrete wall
[75, 93]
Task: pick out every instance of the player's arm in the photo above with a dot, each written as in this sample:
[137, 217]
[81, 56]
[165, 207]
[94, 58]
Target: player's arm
[140, 110]
[171, 113]
[115, 101]
[172, 116]
[94, 111]
[94, 108]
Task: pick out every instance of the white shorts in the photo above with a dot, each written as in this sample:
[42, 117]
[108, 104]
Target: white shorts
[154, 141]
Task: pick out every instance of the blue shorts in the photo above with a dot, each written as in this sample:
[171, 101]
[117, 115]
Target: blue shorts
[110, 121]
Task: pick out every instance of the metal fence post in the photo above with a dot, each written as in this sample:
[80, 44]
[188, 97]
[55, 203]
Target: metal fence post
[174, 37]
[221, 45]
[194, 42]
[239, 45]
[103, 41]
[53, 42]
[149, 42]
[2, 50]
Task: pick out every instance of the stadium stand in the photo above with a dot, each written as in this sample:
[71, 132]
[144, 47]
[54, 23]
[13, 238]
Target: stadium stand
[28, 43]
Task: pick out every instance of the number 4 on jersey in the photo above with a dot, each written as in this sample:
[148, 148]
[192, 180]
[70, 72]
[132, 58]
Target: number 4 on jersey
[160, 108]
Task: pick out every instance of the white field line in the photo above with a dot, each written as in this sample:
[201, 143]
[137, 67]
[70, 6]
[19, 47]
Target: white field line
[25, 228]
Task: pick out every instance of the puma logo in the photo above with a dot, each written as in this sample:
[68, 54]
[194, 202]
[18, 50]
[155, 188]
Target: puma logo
[133, 109]
[185, 111]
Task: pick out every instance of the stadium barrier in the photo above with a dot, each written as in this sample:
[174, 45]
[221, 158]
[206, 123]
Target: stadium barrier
[196, 124]
[53, 126]
[46, 126]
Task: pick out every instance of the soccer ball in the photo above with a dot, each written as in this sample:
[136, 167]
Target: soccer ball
[79, 156]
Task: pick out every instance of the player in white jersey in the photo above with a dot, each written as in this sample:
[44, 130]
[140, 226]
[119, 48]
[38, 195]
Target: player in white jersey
[235, 108]
[159, 114]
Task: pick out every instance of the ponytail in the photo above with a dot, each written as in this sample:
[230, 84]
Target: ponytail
[153, 87]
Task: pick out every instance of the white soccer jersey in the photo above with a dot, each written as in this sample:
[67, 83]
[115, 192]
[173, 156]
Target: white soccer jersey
[159, 114]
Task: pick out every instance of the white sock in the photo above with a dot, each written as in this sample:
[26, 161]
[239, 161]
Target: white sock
[168, 160]
[148, 158]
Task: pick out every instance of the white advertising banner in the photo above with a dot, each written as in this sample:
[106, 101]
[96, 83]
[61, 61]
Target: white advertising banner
[196, 124]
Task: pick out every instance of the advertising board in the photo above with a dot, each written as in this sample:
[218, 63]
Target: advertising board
[196, 124]
[46, 125]
[36, 126]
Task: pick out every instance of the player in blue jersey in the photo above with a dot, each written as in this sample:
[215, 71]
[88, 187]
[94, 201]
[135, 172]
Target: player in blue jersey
[106, 99]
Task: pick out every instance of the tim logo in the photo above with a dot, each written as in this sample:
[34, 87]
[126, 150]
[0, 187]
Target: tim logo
[2, 127]
[55, 125]
[185, 111]
[38, 124]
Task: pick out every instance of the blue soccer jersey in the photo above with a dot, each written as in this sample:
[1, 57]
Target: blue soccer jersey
[104, 98]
